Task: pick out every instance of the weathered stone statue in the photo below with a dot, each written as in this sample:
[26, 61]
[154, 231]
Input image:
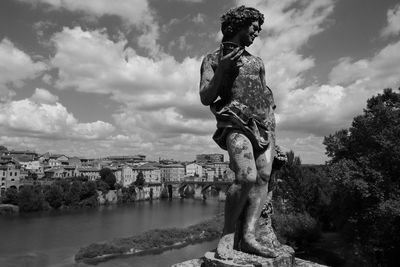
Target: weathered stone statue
[233, 85]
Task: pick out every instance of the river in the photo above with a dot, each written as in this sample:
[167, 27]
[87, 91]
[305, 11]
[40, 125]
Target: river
[52, 238]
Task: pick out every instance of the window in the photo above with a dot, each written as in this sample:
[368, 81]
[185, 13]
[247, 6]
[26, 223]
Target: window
[15, 173]
[12, 180]
[10, 173]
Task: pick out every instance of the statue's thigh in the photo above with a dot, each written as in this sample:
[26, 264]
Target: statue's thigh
[264, 162]
[242, 157]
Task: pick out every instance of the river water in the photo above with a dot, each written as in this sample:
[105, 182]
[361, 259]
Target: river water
[52, 238]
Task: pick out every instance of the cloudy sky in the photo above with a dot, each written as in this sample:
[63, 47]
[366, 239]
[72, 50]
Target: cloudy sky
[98, 77]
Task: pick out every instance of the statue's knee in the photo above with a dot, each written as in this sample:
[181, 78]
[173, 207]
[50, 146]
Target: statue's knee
[248, 175]
[264, 175]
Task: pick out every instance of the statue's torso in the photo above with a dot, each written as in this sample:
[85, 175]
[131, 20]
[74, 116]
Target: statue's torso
[246, 88]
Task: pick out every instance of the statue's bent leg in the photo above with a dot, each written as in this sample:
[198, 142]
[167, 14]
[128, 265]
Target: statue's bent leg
[243, 164]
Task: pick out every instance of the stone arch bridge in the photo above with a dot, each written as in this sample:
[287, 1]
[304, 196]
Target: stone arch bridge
[200, 188]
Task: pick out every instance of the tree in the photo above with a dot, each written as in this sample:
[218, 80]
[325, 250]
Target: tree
[54, 196]
[32, 175]
[89, 189]
[3, 149]
[107, 175]
[11, 196]
[365, 168]
[30, 198]
[140, 179]
[73, 196]
[289, 189]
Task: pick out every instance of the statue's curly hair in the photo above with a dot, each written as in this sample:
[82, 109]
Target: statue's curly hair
[237, 18]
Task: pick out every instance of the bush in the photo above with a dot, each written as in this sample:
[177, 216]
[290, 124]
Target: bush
[296, 229]
[128, 194]
[108, 177]
[30, 199]
[90, 202]
[54, 196]
[11, 196]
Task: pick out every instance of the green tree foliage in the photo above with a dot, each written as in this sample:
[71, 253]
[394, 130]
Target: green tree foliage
[128, 194]
[108, 177]
[3, 149]
[11, 196]
[140, 180]
[89, 189]
[54, 196]
[302, 188]
[365, 169]
[102, 186]
[30, 198]
[73, 196]
[32, 175]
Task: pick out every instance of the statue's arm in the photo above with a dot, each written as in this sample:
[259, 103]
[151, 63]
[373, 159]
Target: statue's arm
[210, 82]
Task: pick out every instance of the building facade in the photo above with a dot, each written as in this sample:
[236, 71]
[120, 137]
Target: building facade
[151, 173]
[194, 169]
[172, 172]
[10, 176]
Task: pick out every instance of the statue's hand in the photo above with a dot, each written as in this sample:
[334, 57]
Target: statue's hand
[229, 61]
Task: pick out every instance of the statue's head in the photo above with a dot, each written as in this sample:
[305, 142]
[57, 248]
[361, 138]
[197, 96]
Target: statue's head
[238, 19]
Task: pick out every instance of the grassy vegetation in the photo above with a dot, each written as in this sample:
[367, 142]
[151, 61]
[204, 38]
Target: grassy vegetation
[153, 241]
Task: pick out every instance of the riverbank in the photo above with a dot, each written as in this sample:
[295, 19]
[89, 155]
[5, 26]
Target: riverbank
[152, 242]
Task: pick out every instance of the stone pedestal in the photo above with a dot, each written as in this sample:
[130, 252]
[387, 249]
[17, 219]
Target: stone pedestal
[201, 263]
[247, 260]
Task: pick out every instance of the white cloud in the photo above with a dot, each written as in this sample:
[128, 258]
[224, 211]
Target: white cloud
[41, 116]
[288, 26]
[160, 96]
[43, 96]
[139, 82]
[315, 109]
[373, 74]
[393, 22]
[15, 67]
[135, 13]
[199, 18]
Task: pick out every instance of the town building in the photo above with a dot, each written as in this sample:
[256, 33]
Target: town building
[74, 161]
[33, 166]
[194, 169]
[10, 176]
[127, 159]
[151, 173]
[220, 168]
[209, 174]
[172, 172]
[55, 172]
[25, 155]
[92, 174]
[209, 158]
[125, 175]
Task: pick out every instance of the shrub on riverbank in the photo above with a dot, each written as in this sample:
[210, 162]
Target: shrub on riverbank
[153, 240]
[296, 229]
[66, 193]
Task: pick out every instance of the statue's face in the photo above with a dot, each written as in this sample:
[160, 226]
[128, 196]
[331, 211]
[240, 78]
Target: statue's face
[248, 34]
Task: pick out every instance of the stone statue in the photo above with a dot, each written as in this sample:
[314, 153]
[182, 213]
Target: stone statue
[233, 85]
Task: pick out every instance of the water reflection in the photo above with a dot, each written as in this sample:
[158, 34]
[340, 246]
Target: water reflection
[52, 238]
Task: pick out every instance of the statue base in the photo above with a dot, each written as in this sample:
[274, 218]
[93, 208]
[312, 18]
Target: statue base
[247, 260]
[209, 260]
